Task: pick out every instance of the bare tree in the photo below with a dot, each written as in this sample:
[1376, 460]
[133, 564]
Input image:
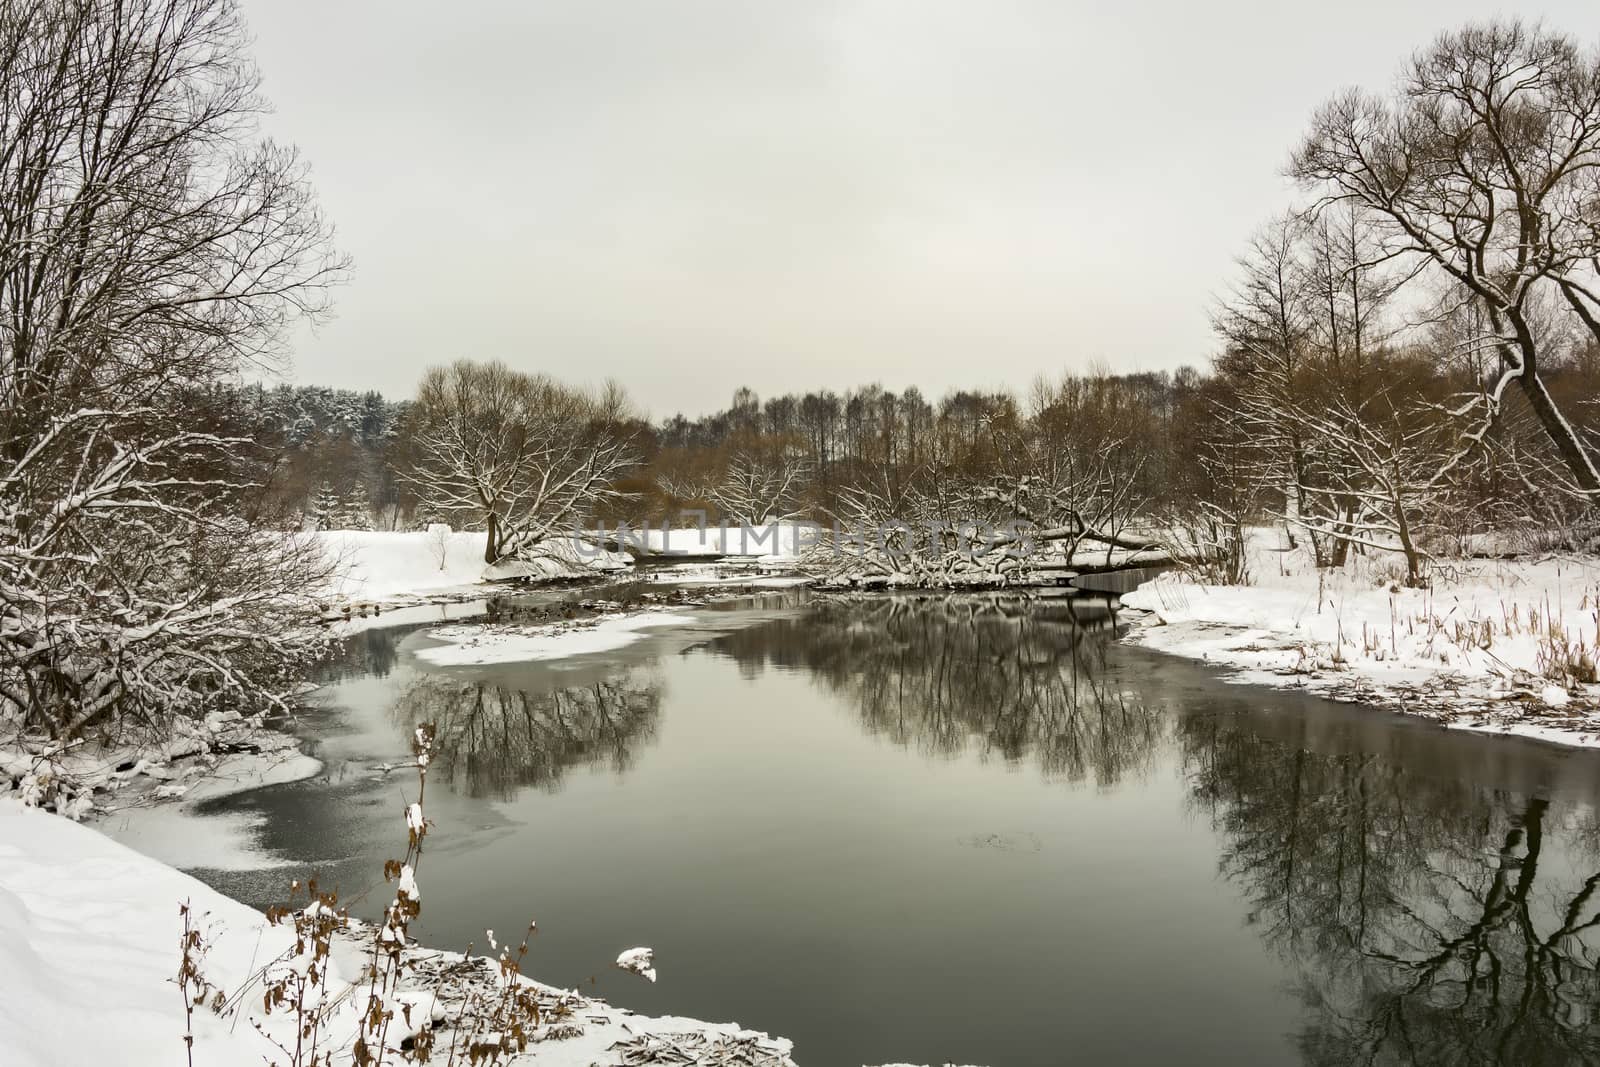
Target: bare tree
[1303, 328]
[1265, 326]
[1215, 492]
[151, 242]
[1396, 462]
[761, 483]
[520, 453]
[1481, 168]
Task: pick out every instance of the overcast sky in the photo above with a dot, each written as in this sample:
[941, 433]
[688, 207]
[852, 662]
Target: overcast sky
[689, 195]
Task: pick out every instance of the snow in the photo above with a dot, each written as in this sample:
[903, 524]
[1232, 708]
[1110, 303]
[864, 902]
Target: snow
[89, 936]
[190, 759]
[89, 933]
[381, 566]
[1480, 649]
[474, 645]
[772, 542]
[378, 566]
[170, 833]
[738, 572]
[639, 961]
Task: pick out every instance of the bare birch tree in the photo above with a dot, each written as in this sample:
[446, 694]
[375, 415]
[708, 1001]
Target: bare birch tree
[1265, 326]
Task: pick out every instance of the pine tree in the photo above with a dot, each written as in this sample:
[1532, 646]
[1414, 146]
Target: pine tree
[324, 507]
[356, 514]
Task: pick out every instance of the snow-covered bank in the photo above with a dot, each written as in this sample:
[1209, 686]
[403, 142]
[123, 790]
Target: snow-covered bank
[385, 568]
[89, 939]
[379, 566]
[713, 574]
[389, 567]
[223, 752]
[1506, 646]
[776, 542]
[482, 644]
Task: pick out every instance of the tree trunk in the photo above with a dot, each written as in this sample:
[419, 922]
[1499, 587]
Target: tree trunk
[1344, 523]
[491, 547]
[1560, 431]
[1413, 557]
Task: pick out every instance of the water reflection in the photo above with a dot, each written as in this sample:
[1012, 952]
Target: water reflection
[1431, 922]
[1389, 893]
[1429, 919]
[370, 653]
[1010, 677]
[494, 739]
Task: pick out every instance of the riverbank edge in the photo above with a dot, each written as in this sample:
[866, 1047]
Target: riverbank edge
[1445, 699]
[585, 1028]
[126, 908]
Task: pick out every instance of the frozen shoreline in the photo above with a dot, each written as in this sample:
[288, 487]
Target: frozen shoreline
[1495, 646]
[75, 896]
[85, 920]
[476, 645]
[382, 569]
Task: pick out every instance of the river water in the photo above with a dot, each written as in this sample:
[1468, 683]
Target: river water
[969, 829]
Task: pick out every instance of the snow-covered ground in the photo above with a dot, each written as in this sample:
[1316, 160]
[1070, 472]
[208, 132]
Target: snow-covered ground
[480, 644]
[90, 944]
[1499, 645]
[387, 567]
[777, 542]
[380, 567]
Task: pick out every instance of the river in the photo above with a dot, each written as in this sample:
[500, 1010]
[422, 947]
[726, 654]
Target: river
[968, 829]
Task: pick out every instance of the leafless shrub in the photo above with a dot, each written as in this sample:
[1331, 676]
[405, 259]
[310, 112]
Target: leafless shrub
[153, 243]
[396, 1008]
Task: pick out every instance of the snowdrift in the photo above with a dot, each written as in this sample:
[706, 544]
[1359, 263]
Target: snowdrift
[89, 936]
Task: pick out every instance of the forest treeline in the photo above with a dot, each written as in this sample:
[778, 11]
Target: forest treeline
[1193, 449]
[1405, 361]
[1155, 447]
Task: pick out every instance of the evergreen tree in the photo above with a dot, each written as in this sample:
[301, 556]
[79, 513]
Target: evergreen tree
[324, 507]
[356, 512]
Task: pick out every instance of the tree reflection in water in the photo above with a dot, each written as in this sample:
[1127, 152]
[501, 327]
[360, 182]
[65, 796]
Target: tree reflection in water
[1429, 919]
[364, 654]
[494, 739]
[1015, 677]
[1431, 922]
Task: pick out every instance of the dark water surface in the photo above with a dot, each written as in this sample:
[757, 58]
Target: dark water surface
[974, 830]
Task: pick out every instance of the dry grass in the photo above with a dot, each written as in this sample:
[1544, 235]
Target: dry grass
[402, 1007]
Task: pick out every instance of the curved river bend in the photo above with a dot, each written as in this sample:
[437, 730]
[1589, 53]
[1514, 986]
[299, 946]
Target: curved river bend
[974, 830]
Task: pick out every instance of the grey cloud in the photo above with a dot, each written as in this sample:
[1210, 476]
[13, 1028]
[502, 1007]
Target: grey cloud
[691, 195]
